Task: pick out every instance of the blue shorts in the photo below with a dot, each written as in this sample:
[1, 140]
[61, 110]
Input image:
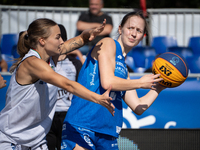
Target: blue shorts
[86, 138]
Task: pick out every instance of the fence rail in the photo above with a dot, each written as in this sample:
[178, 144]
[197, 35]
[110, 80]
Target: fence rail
[180, 23]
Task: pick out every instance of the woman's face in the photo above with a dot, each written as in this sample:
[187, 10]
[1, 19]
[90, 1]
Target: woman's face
[132, 32]
[54, 42]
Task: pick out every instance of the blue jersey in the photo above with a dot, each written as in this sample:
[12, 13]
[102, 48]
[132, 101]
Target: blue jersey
[93, 116]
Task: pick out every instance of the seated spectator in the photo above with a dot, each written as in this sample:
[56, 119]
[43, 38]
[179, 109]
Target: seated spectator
[93, 18]
[3, 64]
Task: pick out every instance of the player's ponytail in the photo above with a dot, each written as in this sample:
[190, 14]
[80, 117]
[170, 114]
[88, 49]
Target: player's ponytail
[22, 48]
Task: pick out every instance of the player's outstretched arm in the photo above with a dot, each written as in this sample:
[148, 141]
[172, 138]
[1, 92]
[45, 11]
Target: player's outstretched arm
[80, 40]
[43, 71]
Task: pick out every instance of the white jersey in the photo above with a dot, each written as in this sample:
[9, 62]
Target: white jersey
[27, 116]
[69, 67]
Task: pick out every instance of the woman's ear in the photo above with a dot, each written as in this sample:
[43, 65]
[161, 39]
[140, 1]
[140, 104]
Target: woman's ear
[42, 41]
[119, 30]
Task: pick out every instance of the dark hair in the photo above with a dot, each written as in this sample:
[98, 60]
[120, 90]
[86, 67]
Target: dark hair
[63, 32]
[139, 14]
[29, 39]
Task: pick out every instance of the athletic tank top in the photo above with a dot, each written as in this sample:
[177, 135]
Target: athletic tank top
[27, 116]
[93, 116]
[69, 68]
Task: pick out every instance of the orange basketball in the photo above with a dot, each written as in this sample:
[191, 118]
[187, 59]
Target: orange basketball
[172, 67]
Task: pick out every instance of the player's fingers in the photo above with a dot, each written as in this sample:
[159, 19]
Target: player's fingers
[158, 79]
[156, 75]
[110, 104]
[111, 108]
[91, 37]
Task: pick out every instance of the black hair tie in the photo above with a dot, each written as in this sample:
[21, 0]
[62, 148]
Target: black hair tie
[26, 36]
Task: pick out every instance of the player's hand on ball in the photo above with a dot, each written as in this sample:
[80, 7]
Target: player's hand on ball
[150, 81]
[172, 67]
[160, 87]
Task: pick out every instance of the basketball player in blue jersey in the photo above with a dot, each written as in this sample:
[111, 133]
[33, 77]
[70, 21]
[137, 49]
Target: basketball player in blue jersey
[31, 95]
[91, 126]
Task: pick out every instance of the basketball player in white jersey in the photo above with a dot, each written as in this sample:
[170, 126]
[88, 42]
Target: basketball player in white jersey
[31, 95]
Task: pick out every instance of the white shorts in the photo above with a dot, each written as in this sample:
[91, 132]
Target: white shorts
[7, 144]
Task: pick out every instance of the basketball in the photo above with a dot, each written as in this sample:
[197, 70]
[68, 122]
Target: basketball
[172, 67]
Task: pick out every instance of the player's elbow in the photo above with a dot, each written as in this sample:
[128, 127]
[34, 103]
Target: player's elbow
[105, 84]
[138, 112]
[140, 109]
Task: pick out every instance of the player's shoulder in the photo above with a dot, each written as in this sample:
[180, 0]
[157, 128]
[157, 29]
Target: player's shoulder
[107, 43]
[107, 40]
[34, 62]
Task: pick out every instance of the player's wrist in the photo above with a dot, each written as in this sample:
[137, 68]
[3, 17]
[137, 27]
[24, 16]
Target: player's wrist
[137, 83]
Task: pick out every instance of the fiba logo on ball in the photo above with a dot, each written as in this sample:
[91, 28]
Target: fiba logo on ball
[172, 67]
[167, 72]
[174, 60]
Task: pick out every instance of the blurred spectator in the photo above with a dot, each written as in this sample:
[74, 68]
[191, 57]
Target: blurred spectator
[3, 64]
[78, 55]
[93, 18]
[2, 82]
[69, 67]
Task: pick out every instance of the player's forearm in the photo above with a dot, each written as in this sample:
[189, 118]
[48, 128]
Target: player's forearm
[140, 105]
[119, 84]
[73, 44]
[150, 97]
[82, 92]
[77, 42]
